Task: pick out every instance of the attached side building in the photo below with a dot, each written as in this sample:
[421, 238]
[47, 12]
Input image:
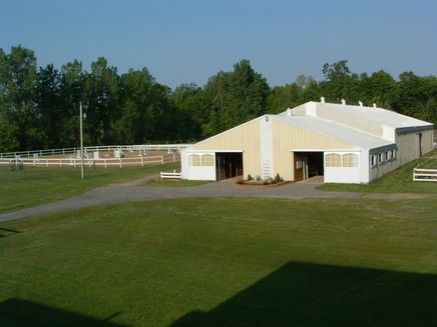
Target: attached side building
[344, 143]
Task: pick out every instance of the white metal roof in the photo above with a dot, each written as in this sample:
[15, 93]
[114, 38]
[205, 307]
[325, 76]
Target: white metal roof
[328, 128]
[376, 115]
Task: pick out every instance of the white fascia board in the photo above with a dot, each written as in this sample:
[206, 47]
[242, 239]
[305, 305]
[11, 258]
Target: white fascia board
[327, 150]
[211, 151]
[406, 130]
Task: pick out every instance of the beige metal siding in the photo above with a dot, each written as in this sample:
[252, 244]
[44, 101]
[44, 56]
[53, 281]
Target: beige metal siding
[244, 137]
[407, 150]
[385, 167]
[427, 141]
[408, 145]
[287, 137]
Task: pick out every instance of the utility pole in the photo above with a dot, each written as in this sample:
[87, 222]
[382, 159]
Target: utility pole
[81, 139]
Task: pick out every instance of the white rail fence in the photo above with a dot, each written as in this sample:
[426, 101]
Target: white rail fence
[173, 175]
[138, 147]
[426, 171]
[424, 175]
[93, 162]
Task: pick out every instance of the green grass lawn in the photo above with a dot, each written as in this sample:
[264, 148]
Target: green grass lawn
[222, 262]
[430, 163]
[174, 182]
[398, 181]
[36, 185]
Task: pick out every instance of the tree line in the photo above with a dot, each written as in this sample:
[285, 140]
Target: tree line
[39, 105]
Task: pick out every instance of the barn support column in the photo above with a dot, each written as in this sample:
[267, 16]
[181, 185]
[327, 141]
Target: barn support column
[266, 147]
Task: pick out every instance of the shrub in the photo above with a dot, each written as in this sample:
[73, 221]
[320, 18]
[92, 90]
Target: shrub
[249, 177]
[258, 178]
[278, 179]
[268, 181]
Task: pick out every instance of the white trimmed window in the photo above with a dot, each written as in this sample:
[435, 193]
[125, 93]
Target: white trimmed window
[194, 160]
[350, 160]
[333, 160]
[381, 157]
[373, 160]
[393, 154]
[207, 160]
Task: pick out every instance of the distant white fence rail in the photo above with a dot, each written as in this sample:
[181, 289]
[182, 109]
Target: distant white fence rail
[173, 175]
[93, 162]
[424, 175]
[136, 147]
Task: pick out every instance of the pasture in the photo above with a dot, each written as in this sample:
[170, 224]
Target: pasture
[216, 261]
[37, 185]
[191, 262]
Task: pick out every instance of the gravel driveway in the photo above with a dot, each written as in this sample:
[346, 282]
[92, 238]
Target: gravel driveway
[134, 191]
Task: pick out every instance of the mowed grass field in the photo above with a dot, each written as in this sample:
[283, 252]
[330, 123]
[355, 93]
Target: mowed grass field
[224, 262]
[37, 185]
[398, 181]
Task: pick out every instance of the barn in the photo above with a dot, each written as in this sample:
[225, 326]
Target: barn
[343, 143]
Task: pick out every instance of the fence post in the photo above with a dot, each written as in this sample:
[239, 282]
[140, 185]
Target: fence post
[60, 165]
[47, 163]
[120, 162]
[142, 161]
[162, 160]
[174, 159]
[104, 160]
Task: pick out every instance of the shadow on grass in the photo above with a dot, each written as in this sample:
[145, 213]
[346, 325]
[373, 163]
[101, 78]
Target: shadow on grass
[18, 312]
[306, 294]
[4, 232]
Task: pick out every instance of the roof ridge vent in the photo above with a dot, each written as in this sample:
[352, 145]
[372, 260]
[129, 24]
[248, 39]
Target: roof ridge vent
[343, 102]
[289, 113]
[374, 105]
[322, 99]
[360, 103]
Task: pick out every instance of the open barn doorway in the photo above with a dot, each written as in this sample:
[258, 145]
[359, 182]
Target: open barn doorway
[228, 164]
[308, 165]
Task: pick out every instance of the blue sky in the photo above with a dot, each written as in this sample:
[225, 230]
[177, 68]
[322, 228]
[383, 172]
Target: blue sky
[189, 41]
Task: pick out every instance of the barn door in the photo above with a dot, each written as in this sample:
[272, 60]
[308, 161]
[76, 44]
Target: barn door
[298, 167]
[418, 145]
